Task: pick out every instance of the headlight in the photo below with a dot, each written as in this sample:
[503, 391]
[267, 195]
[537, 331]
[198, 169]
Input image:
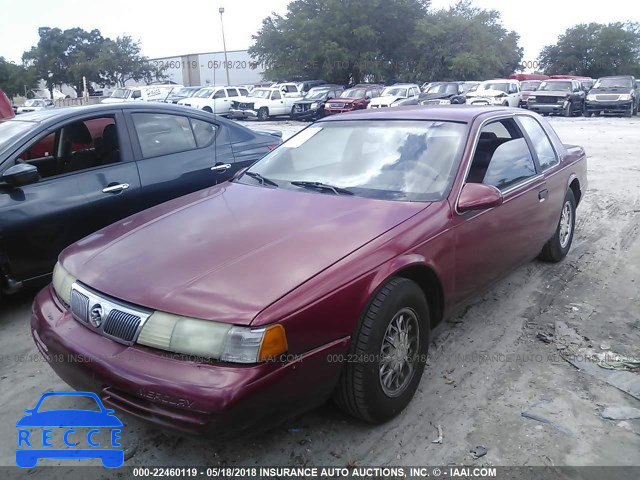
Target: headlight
[62, 282]
[215, 340]
[625, 96]
[591, 98]
[531, 98]
[314, 105]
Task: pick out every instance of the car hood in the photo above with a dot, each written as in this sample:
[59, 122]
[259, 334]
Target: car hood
[550, 93]
[620, 90]
[435, 96]
[386, 100]
[345, 100]
[486, 93]
[228, 252]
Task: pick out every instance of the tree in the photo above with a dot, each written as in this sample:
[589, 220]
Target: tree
[595, 50]
[16, 79]
[81, 56]
[354, 40]
[120, 60]
[48, 57]
[338, 40]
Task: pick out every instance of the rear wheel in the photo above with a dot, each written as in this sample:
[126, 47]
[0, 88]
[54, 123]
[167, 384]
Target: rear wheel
[559, 244]
[387, 354]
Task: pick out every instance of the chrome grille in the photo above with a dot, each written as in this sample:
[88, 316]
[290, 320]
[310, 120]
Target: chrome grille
[121, 325]
[608, 97]
[336, 105]
[80, 306]
[114, 319]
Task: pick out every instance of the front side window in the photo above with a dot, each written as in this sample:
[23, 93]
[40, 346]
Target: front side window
[541, 144]
[399, 160]
[219, 94]
[276, 96]
[162, 134]
[502, 157]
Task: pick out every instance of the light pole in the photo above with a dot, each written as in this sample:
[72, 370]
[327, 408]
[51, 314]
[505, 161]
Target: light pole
[224, 45]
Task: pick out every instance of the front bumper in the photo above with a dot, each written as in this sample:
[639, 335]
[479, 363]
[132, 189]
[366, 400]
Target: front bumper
[333, 111]
[305, 115]
[242, 113]
[546, 107]
[173, 391]
[608, 107]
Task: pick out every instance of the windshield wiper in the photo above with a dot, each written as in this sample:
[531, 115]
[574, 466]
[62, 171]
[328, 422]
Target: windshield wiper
[261, 179]
[321, 186]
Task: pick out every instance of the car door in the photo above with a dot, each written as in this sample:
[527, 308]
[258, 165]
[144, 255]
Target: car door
[513, 94]
[88, 180]
[232, 93]
[176, 153]
[221, 103]
[489, 243]
[277, 104]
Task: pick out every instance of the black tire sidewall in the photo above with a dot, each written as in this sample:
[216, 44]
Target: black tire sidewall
[262, 116]
[557, 249]
[380, 407]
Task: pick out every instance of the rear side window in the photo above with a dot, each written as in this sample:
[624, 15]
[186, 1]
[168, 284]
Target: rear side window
[541, 144]
[204, 132]
[163, 134]
[232, 92]
[243, 91]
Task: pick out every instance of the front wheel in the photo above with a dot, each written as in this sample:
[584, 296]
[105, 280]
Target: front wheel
[631, 111]
[568, 110]
[263, 114]
[559, 244]
[587, 113]
[387, 354]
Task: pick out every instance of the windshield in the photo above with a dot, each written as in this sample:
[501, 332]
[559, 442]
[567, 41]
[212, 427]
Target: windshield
[204, 93]
[121, 93]
[185, 92]
[444, 88]
[529, 86]
[317, 95]
[409, 160]
[34, 103]
[11, 129]
[557, 86]
[613, 82]
[358, 93]
[260, 93]
[394, 92]
[503, 87]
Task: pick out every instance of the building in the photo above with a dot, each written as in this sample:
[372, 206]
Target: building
[209, 68]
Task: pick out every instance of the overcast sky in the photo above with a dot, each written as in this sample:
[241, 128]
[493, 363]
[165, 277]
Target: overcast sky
[168, 28]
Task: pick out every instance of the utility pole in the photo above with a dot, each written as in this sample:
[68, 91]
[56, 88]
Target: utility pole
[224, 46]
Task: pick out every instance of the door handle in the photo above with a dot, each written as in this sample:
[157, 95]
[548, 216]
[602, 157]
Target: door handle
[115, 188]
[221, 168]
[543, 194]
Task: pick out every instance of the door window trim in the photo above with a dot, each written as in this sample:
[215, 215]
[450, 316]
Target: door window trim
[467, 168]
[12, 158]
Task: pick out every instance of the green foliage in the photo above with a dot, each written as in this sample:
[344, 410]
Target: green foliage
[16, 79]
[376, 40]
[120, 60]
[68, 56]
[595, 50]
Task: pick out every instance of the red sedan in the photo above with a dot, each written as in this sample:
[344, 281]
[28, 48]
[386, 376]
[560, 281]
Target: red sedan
[318, 272]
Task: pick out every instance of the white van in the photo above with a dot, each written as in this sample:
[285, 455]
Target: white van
[149, 93]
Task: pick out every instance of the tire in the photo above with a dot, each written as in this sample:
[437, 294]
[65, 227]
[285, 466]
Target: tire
[207, 109]
[559, 244]
[263, 114]
[630, 113]
[568, 111]
[587, 113]
[360, 391]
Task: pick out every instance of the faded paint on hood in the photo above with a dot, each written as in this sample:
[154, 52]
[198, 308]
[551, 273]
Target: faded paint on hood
[228, 252]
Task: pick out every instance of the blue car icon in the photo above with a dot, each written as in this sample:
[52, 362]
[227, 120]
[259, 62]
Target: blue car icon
[68, 418]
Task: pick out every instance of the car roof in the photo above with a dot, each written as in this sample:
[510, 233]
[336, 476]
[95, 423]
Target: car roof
[452, 113]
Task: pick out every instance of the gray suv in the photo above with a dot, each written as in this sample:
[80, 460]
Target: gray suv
[617, 94]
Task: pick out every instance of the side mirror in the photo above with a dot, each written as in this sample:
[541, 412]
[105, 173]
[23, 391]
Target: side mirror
[478, 196]
[21, 174]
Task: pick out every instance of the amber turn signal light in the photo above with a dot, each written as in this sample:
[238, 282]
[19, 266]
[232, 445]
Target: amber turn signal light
[273, 343]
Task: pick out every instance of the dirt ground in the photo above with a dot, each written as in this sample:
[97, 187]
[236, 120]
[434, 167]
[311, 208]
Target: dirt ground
[498, 358]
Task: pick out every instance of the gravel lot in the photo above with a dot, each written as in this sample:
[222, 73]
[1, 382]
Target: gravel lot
[487, 365]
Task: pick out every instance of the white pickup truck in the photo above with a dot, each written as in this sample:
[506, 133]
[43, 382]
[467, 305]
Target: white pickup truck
[263, 103]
